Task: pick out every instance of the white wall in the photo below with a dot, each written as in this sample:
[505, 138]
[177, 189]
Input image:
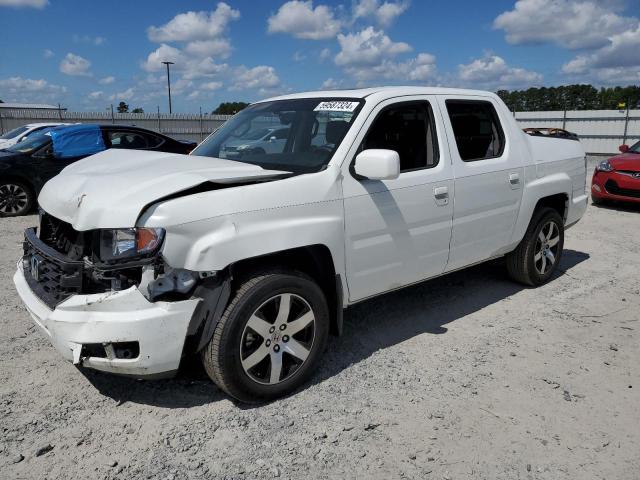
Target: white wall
[600, 131]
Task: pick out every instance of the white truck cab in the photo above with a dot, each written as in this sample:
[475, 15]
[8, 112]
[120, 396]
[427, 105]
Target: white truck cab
[141, 258]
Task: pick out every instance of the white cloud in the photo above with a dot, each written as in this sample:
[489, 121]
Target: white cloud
[420, 69]
[107, 80]
[194, 25]
[572, 24]
[299, 56]
[492, 72]
[75, 65]
[325, 53]
[330, 84]
[384, 12]
[88, 39]
[211, 86]
[219, 47]
[28, 90]
[617, 62]
[367, 48]
[24, 3]
[164, 53]
[48, 53]
[261, 78]
[122, 96]
[98, 94]
[17, 84]
[302, 20]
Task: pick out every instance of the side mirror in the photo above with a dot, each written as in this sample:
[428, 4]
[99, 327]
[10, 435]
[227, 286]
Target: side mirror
[272, 139]
[378, 164]
[623, 148]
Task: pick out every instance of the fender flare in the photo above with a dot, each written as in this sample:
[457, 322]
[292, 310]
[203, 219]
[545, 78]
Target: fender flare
[534, 191]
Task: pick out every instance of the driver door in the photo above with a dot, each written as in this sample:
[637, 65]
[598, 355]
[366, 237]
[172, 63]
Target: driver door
[398, 231]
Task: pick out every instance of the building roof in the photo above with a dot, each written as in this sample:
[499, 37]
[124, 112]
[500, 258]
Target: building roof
[29, 106]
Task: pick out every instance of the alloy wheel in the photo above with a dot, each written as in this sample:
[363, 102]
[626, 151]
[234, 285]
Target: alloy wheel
[546, 251]
[277, 339]
[13, 198]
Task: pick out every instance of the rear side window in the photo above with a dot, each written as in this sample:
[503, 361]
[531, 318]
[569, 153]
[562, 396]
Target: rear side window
[127, 139]
[408, 128]
[477, 129]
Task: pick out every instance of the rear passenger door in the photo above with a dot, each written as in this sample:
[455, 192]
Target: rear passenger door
[397, 231]
[488, 175]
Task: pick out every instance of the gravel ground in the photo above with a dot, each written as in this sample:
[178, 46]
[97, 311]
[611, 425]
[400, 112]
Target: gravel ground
[465, 376]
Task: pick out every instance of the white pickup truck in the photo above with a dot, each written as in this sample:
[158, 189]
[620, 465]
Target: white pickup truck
[142, 258]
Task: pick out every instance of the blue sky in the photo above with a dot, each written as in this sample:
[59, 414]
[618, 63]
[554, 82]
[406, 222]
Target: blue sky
[87, 55]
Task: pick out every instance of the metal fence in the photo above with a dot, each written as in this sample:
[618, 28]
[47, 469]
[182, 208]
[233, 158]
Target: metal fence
[180, 126]
[600, 131]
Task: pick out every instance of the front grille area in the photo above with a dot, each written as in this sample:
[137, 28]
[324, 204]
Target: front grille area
[59, 262]
[62, 237]
[51, 276]
[612, 187]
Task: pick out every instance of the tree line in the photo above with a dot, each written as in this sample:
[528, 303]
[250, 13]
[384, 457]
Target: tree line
[571, 97]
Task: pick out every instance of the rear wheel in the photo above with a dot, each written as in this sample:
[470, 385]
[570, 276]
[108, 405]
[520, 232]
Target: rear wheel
[16, 198]
[269, 338]
[538, 254]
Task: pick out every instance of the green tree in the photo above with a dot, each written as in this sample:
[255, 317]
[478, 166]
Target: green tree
[230, 108]
[137, 110]
[123, 107]
[570, 97]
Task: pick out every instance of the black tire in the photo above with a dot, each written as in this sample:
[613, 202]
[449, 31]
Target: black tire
[522, 264]
[17, 198]
[222, 357]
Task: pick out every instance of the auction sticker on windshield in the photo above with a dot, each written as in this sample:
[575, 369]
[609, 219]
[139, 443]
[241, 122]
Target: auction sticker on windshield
[336, 106]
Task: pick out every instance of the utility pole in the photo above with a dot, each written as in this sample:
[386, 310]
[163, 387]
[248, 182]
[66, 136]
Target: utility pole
[169, 82]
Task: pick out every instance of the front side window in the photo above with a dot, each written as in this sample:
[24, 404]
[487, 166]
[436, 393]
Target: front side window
[407, 128]
[476, 128]
[307, 132]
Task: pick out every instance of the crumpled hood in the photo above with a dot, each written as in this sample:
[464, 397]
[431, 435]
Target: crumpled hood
[110, 189]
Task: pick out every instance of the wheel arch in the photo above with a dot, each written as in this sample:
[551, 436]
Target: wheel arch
[553, 191]
[316, 261]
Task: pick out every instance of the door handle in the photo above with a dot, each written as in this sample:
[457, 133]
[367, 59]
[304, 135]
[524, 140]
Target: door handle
[441, 195]
[514, 180]
[441, 192]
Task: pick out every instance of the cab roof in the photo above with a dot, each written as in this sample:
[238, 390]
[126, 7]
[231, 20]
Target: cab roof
[383, 92]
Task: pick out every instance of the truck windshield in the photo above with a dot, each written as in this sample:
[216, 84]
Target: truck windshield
[309, 130]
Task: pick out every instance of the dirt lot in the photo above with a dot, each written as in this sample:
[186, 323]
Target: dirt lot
[466, 376]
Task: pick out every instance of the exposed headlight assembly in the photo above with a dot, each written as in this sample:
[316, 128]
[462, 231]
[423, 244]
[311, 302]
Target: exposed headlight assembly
[128, 243]
[604, 166]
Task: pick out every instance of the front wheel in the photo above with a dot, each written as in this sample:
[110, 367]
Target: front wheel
[16, 198]
[269, 338]
[538, 254]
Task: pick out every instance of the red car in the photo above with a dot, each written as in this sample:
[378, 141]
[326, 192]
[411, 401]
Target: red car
[619, 177]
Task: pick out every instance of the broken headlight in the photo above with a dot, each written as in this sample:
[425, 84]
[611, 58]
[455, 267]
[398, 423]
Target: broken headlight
[129, 243]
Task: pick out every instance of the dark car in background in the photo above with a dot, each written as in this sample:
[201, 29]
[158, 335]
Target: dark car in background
[28, 165]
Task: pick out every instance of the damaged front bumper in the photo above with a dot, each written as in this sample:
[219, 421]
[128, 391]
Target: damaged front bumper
[119, 332]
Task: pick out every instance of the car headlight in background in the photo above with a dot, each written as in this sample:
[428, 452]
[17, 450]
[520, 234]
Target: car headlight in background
[127, 243]
[604, 166]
